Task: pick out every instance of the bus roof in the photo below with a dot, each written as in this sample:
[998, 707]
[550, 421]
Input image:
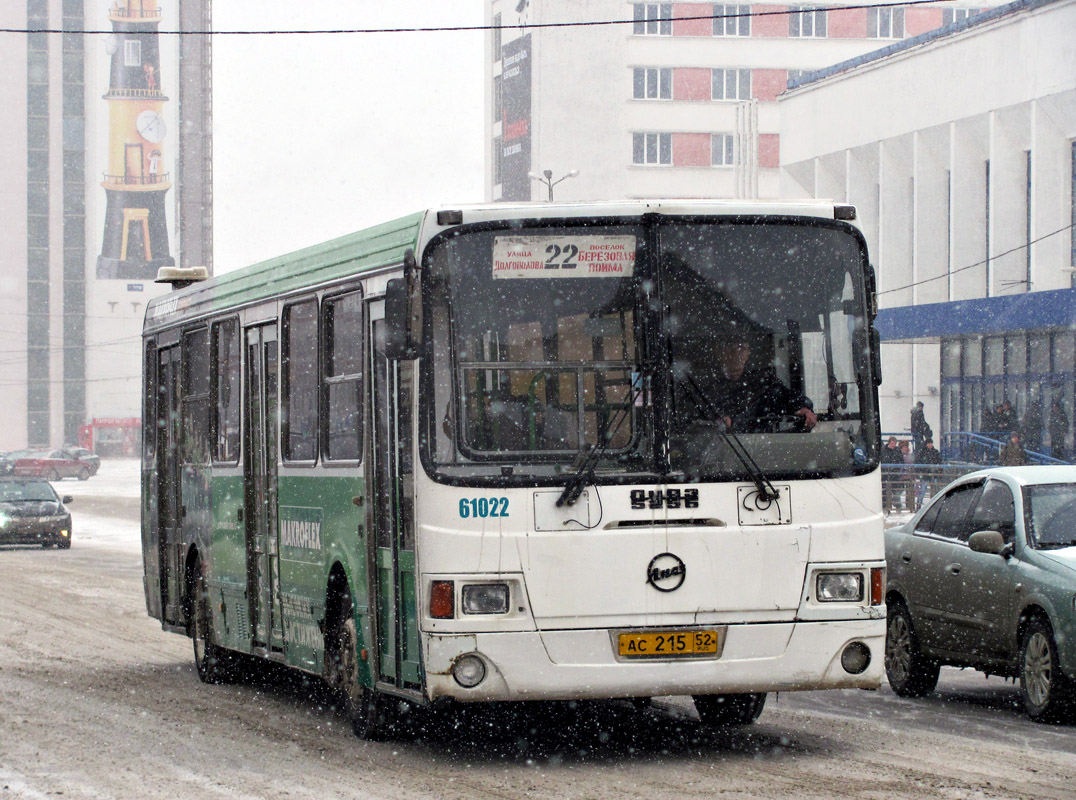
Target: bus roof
[384, 246]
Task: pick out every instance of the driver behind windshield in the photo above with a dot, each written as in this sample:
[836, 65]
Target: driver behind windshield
[746, 397]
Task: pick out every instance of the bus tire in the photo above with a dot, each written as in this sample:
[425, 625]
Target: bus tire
[366, 709]
[909, 671]
[211, 662]
[721, 710]
[1046, 694]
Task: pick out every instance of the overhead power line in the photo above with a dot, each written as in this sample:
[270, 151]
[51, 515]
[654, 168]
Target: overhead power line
[464, 28]
[980, 263]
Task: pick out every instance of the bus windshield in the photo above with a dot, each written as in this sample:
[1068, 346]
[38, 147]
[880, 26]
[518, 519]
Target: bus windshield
[547, 341]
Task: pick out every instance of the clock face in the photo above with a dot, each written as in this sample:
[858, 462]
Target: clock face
[150, 126]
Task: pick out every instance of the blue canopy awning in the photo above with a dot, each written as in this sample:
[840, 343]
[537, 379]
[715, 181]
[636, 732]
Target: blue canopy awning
[1011, 313]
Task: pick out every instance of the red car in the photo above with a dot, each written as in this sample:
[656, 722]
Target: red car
[52, 465]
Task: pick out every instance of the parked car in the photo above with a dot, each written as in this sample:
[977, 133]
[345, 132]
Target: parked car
[985, 577]
[53, 465]
[31, 513]
[90, 459]
[8, 459]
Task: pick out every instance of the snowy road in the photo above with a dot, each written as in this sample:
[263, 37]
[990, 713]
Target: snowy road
[97, 702]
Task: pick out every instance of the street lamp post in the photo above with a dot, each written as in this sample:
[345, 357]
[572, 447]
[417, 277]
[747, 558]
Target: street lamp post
[546, 179]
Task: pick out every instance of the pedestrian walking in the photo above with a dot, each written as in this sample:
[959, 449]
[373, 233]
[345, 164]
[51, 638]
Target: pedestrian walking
[1059, 429]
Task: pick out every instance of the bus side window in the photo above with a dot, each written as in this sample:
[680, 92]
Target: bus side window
[342, 379]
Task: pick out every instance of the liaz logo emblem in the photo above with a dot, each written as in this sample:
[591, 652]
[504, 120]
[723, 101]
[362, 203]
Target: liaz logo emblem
[666, 572]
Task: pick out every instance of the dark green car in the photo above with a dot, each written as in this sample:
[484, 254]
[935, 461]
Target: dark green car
[985, 577]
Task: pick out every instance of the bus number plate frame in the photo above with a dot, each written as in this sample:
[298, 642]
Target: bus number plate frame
[670, 644]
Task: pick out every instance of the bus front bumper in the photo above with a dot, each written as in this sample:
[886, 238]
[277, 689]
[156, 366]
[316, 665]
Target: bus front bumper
[582, 664]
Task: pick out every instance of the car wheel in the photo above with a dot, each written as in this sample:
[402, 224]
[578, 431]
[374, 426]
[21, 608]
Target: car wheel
[211, 662]
[367, 710]
[65, 543]
[1045, 691]
[720, 710]
[84, 474]
[53, 476]
[910, 673]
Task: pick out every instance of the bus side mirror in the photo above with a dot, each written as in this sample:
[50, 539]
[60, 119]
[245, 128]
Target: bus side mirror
[399, 313]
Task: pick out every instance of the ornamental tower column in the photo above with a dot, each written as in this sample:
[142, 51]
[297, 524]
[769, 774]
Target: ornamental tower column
[136, 234]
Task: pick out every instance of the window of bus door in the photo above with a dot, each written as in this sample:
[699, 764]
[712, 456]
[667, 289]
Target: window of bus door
[535, 350]
[764, 319]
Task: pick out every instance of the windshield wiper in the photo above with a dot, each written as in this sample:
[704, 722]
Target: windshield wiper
[587, 457]
[766, 489]
[1056, 545]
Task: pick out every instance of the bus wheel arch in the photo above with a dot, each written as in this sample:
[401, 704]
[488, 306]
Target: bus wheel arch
[366, 708]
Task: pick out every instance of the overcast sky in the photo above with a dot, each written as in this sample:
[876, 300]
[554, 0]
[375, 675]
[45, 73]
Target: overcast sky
[315, 136]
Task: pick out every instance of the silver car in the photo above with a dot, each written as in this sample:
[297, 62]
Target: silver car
[985, 577]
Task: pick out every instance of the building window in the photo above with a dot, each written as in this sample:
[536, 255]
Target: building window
[224, 423]
[722, 149]
[498, 99]
[885, 23]
[651, 83]
[342, 325]
[807, 23]
[652, 19]
[732, 20]
[651, 148]
[132, 53]
[300, 395]
[497, 156]
[496, 38]
[951, 15]
[730, 84]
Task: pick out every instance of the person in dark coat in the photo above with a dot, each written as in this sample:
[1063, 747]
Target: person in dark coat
[919, 427]
[891, 454]
[1006, 417]
[989, 421]
[928, 456]
[1013, 453]
[1031, 427]
[1059, 429]
[742, 398]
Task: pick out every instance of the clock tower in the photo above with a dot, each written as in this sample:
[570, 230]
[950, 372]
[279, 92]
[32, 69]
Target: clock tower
[136, 234]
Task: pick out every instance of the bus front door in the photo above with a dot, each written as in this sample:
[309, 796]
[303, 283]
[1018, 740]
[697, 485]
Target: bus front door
[262, 534]
[390, 482]
[169, 502]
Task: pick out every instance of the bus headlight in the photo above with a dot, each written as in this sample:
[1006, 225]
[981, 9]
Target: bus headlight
[469, 671]
[838, 587]
[485, 598]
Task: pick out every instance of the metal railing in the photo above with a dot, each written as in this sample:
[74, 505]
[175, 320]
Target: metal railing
[906, 487]
[137, 180]
[983, 448]
[119, 12]
[119, 91]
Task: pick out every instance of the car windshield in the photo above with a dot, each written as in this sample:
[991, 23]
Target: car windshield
[1051, 515]
[546, 341]
[26, 492]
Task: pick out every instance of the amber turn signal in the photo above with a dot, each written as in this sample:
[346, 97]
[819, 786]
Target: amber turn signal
[877, 585]
[442, 600]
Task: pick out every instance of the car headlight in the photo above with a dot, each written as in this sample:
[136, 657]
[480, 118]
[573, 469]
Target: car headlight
[838, 587]
[485, 598]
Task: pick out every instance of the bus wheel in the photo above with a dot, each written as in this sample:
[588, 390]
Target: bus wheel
[210, 660]
[720, 710]
[366, 709]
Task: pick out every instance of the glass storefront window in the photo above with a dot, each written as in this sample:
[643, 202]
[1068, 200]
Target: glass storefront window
[950, 358]
[973, 356]
[994, 355]
[1063, 351]
[1040, 353]
[1015, 355]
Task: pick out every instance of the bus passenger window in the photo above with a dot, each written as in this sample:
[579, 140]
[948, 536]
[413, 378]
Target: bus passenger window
[300, 353]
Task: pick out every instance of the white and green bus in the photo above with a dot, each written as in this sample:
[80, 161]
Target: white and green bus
[477, 454]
